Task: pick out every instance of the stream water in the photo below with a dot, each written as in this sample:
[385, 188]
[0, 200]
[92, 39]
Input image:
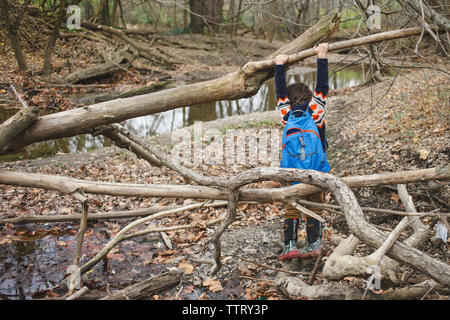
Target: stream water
[171, 120]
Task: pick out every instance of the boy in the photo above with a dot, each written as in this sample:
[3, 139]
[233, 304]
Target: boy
[293, 102]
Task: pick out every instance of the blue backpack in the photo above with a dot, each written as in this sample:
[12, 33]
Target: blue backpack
[301, 144]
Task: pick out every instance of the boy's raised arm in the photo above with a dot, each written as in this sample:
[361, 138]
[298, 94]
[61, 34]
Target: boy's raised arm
[283, 103]
[320, 93]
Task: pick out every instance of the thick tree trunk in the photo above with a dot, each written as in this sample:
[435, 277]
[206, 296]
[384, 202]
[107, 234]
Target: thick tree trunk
[13, 36]
[296, 288]
[206, 14]
[47, 65]
[69, 185]
[114, 14]
[230, 16]
[102, 14]
[215, 14]
[15, 125]
[197, 15]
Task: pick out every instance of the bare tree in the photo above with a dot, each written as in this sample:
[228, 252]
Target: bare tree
[102, 15]
[47, 65]
[13, 31]
[205, 14]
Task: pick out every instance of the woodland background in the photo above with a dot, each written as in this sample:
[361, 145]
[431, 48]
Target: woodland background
[388, 113]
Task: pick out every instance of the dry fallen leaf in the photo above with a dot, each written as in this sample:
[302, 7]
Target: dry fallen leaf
[5, 240]
[213, 284]
[423, 154]
[188, 289]
[65, 210]
[244, 271]
[117, 256]
[395, 197]
[186, 267]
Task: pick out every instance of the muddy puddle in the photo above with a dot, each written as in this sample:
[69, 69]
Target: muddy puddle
[36, 259]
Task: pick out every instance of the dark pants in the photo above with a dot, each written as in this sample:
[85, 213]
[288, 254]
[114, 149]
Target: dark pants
[313, 226]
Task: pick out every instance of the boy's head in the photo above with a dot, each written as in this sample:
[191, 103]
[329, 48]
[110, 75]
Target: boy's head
[299, 93]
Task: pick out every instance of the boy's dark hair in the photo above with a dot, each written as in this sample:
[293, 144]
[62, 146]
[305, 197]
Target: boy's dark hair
[299, 93]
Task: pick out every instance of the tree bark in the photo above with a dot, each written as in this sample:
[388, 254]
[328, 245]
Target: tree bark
[13, 36]
[15, 125]
[102, 14]
[147, 287]
[232, 86]
[239, 84]
[206, 14]
[230, 17]
[296, 288]
[47, 65]
[363, 230]
[69, 185]
[429, 13]
[118, 63]
[114, 14]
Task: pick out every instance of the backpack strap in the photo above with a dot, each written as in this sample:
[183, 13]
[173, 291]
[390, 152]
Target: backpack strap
[297, 112]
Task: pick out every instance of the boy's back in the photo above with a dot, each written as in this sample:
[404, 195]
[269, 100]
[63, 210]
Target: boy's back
[303, 113]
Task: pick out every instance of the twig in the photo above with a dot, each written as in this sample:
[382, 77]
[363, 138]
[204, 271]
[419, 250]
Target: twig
[256, 279]
[316, 267]
[121, 235]
[271, 268]
[330, 207]
[74, 279]
[78, 294]
[23, 102]
[306, 211]
[429, 290]
[108, 291]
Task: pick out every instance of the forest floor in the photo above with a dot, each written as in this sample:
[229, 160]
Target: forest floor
[385, 127]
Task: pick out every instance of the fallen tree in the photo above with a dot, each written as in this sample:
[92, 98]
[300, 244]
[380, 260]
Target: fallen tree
[359, 227]
[15, 125]
[69, 185]
[342, 263]
[118, 62]
[240, 84]
[363, 230]
[147, 287]
[296, 288]
[229, 87]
